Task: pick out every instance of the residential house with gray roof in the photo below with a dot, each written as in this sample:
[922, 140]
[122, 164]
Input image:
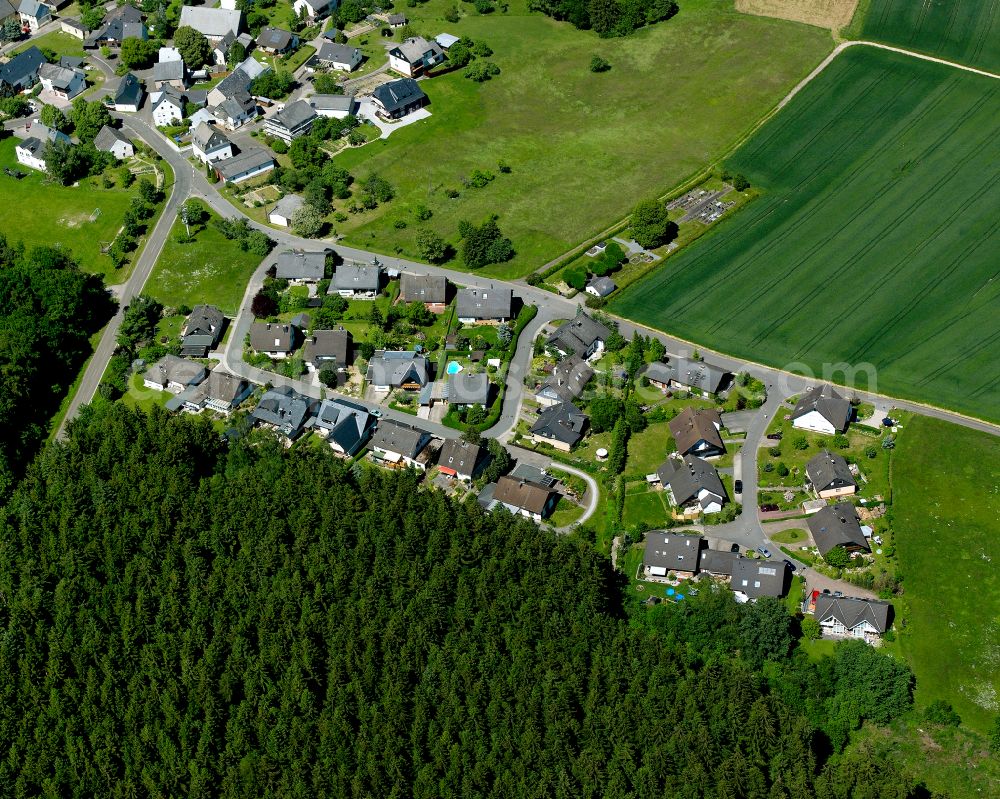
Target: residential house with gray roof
[274, 339]
[209, 144]
[568, 379]
[356, 281]
[849, 617]
[21, 72]
[63, 82]
[202, 331]
[753, 578]
[276, 40]
[396, 444]
[328, 349]
[283, 210]
[431, 290]
[220, 392]
[338, 56]
[693, 483]
[250, 163]
[686, 374]
[491, 304]
[285, 411]
[560, 425]
[389, 369]
[173, 374]
[396, 99]
[467, 389]
[129, 94]
[415, 56]
[337, 106]
[837, 526]
[344, 424]
[109, 140]
[33, 14]
[670, 555]
[830, 475]
[458, 458]
[170, 73]
[582, 335]
[822, 410]
[299, 266]
[601, 287]
[294, 120]
[212, 23]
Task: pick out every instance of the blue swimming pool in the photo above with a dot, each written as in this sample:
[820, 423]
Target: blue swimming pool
[453, 367]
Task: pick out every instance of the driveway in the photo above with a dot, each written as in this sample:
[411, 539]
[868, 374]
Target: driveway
[366, 110]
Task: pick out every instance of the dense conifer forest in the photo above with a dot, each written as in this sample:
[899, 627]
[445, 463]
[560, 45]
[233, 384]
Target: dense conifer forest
[48, 310]
[184, 617]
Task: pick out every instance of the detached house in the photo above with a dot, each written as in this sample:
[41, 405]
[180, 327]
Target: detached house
[33, 15]
[314, 9]
[31, 151]
[460, 459]
[21, 72]
[837, 526]
[756, 578]
[342, 57]
[337, 106]
[210, 144]
[568, 379]
[431, 290]
[285, 411]
[220, 392]
[670, 555]
[822, 410]
[202, 331]
[174, 374]
[63, 82]
[234, 112]
[251, 163]
[213, 23]
[396, 99]
[830, 475]
[415, 56]
[109, 140]
[294, 120]
[687, 375]
[129, 94]
[170, 73]
[236, 82]
[396, 445]
[124, 22]
[582, 336]
[524, 497]
[298, 266]
[467, 389]
[491, 305]
[328, 349]
[560, 426]
[276, 41]
[168, 107]
[274, 339]
[601, 287]
[283, 210]
[696, 432]
[694, 484]
[345, 425]
[356, 281]
[389, 369]
[848, 617]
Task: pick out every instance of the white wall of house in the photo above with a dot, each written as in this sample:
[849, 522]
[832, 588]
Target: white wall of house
[310, 8]
[400, 65]
[837, 492]
[167, 114]
[122, 150]
[815, 422]
[26, 158]
[560, 445]
[218, 154]
[277, 219]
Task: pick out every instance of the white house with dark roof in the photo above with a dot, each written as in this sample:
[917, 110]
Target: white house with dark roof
[314, 9]
[601, 287]
[337, 106]
[202, 331]
[694, 485]
[237, 82]
[63, 82]
[33, 14]
[687, 374]
[21, 72]
[276, 40]
[251, 163]
[389, 369]
[396, 99]
[345, 425]
[567, 381]
[849, 617]
[210, 144]
[396, 444]
[822, 410]
[338, 56]
[458, 458]
[292, 121]
[168, 107]
[173, 374]
[129, 94]
[561, 426]
[356, 281]
[31, 151]
[71, 26]
[582, 335]
[219, 392]
[830, 475]
[753, 578]
[837, 526]
[236, 111]
[109, 140]
[414, 56]
[170, 73]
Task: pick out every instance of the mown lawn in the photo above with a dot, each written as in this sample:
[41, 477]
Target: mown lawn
[582, 147]
[211, 269]
[37, 211]
[967, 31]
[648, 507]
[60, 43]
[947, 502]
[872, 246]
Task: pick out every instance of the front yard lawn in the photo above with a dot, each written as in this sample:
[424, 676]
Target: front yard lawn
[648, 507]
[57, 41]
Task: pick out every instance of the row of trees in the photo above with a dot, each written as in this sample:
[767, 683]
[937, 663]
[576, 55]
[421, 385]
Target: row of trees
[184, 617]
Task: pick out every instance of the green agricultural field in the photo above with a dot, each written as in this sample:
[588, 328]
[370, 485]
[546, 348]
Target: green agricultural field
[582, 147]
[37, 211]
[211, 270]
[966, 31]
[873, 242]
[946, 483]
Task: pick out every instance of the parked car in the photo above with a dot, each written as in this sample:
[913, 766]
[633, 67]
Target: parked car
[774, 436]
[738, 486]
[764, 551]
[838, 593]
[734, 548]
[826, 590]
[791, 565]
[376, 412]
[769, 507]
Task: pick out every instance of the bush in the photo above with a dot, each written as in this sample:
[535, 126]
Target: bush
[598, 64]
[837, 557]
[481, 71]
[782, 470]
[279, 146]
[800, 442]
[576, 277]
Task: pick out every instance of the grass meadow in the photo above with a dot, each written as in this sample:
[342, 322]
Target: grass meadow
[582, 147]
[946, 504]
[39, 211]
[873, 242]
[211, 269]
[966, 31]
